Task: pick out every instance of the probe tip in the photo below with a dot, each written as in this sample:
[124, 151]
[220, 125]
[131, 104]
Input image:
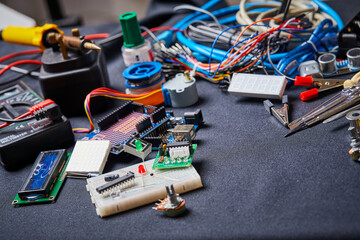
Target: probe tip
[297, 129]
[91, 46]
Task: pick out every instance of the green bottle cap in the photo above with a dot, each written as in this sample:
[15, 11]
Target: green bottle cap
[131, 30]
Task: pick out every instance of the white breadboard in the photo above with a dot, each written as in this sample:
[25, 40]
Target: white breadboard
[88, 157]
[259, 86]
[183, 179]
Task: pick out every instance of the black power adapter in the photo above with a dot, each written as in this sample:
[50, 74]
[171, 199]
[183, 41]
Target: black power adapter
[68, 81]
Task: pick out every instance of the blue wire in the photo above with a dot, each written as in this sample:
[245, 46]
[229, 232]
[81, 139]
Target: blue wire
[220, 54]
[229, 10]
[214, 43]
[306, 48]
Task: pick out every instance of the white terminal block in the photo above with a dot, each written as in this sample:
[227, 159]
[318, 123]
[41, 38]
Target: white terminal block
[257, 86]
[179, 152]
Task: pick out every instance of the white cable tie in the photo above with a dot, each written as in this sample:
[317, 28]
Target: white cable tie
[313, 45]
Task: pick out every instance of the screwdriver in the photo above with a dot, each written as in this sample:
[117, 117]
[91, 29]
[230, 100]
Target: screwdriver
[39, 37]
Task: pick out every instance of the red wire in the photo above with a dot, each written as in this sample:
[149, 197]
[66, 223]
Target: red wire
[12, 55]
[18, 63]
[161, 28]
[19, 117]
[97, 36]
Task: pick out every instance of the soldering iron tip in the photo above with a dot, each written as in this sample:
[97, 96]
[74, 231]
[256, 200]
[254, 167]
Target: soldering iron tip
[91, 46]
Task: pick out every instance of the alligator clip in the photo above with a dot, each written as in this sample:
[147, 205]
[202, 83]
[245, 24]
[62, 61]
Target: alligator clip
[281, 114]
[320, 85]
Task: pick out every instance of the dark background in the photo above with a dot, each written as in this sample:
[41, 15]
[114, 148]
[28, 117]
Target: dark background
[257, 184]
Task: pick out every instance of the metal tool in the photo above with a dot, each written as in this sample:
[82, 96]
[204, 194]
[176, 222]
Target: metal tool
[354, 129]
[341, 114]
[41, 37]
[320, 85]
[343, 100]
[281, 114]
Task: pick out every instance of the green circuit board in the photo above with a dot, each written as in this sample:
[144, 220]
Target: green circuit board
[54, 192]
[167, 162]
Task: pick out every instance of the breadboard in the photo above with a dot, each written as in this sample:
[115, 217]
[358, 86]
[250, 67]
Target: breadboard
[183, 179]
[88, 157]
[258, 86]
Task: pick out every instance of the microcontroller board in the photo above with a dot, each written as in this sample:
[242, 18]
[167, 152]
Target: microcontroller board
[128, 120]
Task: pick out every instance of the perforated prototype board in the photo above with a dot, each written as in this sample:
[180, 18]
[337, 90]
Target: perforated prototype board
[258, 86]
[120, 132]
[183, 179]
[54, 192]
[178, 163]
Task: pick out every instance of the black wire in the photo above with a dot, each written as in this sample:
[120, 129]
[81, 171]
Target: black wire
[288, 2]
[272, 64]
[7, 120]
[20, 76]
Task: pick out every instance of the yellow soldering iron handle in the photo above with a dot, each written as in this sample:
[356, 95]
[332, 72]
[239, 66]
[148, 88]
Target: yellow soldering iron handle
[34, 36]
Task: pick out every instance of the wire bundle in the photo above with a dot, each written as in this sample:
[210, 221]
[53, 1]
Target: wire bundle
[296, 8]
[306, 51]
[154, 97]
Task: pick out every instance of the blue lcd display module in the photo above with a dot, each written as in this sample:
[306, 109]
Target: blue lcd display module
[44, 173]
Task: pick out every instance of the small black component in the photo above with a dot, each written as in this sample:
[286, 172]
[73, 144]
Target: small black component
[115, 115]
[178, 144]
[195, 118]
[305, 23]
[116, 182]
[107, 121]
[51, 111]
[45, 171]
[158, 115]
[111, 177]
[171, 113]
[150, 109]
[349, 36]
[161, 150]
[118, 147]
[143, 125]
[137, 107]
[124, 110]
[155, 141]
